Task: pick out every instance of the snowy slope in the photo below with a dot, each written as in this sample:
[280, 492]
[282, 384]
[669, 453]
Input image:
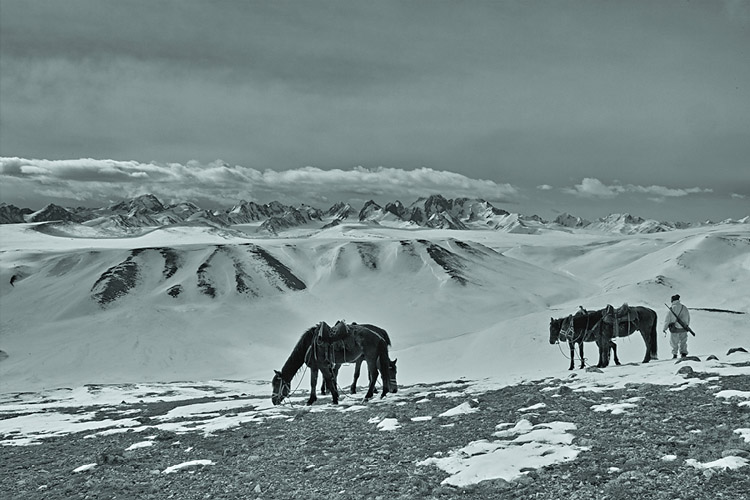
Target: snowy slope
[197, 303]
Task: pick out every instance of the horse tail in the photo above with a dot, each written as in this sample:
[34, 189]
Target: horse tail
[653, 336]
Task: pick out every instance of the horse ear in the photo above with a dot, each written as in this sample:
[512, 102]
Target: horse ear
[394, 361]
[277, 372]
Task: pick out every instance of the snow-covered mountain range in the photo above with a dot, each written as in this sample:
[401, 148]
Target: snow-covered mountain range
[432, 212]
[186, 301]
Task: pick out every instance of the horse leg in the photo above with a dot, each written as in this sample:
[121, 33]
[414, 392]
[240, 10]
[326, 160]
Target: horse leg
[335, 378]
[313, 383]
[572, 355]
[613, 347]
[646, 358]
[603, 352]
[357, 368]
[580, 348]
[372, 369]
[385, 372]
[330, 379]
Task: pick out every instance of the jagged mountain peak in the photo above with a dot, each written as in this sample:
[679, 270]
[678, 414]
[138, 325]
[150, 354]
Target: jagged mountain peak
[435, 211]
[147, 203]
[340, 210]
[567, 220]
[52, 212]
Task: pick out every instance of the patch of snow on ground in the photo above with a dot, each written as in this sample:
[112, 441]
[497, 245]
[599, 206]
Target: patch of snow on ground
[462, 409]
[185, 465]
[388, 424]
[534, 446]
[730, 462]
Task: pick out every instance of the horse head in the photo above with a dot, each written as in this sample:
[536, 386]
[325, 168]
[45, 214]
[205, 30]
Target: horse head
[554, 329]
[392, 383]
[280, 388]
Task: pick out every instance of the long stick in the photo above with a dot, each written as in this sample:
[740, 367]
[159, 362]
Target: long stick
[683, 325]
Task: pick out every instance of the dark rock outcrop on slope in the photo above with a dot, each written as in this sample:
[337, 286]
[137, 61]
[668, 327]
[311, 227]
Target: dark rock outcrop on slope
[254, 273]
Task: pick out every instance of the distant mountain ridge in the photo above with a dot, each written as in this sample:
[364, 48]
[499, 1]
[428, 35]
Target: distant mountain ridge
[434, 211]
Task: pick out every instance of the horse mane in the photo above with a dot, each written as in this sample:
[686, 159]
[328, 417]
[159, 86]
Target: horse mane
[297, 357]
[381, 332]
[589, 317]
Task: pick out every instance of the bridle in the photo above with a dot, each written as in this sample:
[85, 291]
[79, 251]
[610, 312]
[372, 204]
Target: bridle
[569, 335]
[284, 387]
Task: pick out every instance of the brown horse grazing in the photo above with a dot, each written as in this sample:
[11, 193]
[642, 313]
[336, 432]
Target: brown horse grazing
[623, 322]
[393, 384]
[322, 348]
[577, 329]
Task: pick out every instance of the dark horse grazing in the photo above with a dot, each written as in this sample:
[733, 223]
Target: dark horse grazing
[322, 348]
[577, 329]
[393, 384]
[622, 322]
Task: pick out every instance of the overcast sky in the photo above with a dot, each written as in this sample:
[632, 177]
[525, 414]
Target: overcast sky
[588, 107]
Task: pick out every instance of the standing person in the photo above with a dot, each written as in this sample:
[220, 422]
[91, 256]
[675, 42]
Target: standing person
[678, 334]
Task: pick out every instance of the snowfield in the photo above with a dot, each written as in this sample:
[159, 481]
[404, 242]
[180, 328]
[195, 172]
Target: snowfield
[91, 326]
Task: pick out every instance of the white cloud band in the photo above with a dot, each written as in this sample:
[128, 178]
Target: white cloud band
[224, 184]
[592, 187]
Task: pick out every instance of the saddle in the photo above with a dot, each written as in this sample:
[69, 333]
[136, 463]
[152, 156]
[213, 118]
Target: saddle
[622, 317]
[330, 341]
[328, 335]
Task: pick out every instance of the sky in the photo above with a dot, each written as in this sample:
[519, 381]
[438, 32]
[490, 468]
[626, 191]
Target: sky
[537, 106]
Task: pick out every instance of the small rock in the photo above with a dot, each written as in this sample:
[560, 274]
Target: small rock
[688, 358]
[712, 357]
[564, 389]
[687, 371]
[736, 349]
[736, 452]
[593, 369]
[525, 480]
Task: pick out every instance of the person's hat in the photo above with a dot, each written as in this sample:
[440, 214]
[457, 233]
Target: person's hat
[675, 297]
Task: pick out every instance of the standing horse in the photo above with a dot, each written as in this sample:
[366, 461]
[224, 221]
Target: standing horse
[393, 384]
[322, 348]
[623, 322]
[577, 329]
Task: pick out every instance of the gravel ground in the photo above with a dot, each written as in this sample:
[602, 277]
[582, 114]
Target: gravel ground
[340, 455]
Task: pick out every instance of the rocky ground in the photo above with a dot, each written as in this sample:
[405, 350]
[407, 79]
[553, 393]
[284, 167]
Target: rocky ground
[342, 455]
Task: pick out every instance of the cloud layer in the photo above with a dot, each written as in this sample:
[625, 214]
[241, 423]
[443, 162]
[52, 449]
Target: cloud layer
[88, 180]
[592, 187]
